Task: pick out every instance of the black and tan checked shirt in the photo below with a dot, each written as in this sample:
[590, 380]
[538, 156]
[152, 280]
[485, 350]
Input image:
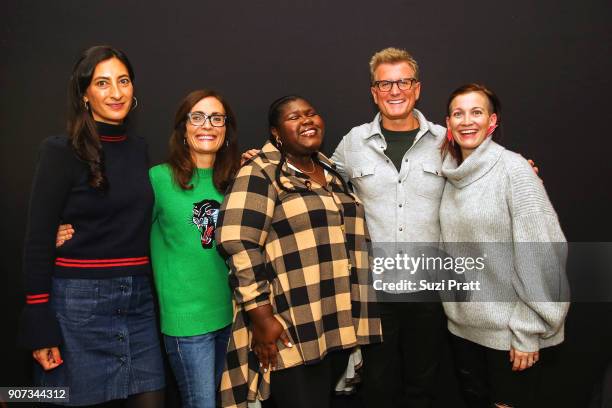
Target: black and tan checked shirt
[302, 248]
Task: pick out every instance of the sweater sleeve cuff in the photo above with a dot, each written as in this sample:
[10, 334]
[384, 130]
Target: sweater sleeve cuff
[525, 342]
[38, 328]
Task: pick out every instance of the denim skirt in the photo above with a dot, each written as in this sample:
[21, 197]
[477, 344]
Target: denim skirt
[111, 345]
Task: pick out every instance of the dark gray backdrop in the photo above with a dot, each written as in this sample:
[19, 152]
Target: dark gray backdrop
[549, 62]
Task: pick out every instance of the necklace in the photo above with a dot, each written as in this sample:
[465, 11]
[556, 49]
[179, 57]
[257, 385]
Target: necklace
[304, 171]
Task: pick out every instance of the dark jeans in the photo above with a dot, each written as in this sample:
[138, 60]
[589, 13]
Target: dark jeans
[307, 386]
[485, 376]
[401, 371]
[602, 397]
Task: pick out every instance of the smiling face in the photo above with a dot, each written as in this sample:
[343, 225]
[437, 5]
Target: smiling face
[396, 105]
[300, 128]
[205, 140]
[110, 93]
[470, 120]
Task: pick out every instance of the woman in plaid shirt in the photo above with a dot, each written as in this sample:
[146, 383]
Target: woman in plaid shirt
[297, 244]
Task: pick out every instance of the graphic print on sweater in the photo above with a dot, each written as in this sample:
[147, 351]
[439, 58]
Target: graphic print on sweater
[205, 214]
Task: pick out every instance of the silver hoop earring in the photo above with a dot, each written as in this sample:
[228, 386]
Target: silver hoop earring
[86, 104]
[135, 104]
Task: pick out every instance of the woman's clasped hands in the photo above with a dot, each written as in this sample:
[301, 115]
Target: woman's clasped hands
[266, 331]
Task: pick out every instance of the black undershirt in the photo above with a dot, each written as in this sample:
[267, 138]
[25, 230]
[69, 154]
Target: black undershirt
[398, 143]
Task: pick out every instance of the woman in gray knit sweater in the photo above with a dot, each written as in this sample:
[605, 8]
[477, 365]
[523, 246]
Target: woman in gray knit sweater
[495, 207]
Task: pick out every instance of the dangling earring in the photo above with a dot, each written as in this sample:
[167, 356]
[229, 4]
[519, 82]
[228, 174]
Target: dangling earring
[135, 104]
[279, 143]
[185, 141]
[86, 104]
[490, 130]
[449, 136]
[226, 142]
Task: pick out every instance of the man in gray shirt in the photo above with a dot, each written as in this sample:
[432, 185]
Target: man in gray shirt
[394, 165]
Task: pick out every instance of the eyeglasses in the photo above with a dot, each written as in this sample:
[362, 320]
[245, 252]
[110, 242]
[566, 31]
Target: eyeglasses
[199, 119]
[403, 84]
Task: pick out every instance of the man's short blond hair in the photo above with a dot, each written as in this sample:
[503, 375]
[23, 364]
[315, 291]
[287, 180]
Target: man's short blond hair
[392, 56]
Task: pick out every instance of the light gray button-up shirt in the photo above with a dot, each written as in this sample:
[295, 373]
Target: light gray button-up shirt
[400, 206]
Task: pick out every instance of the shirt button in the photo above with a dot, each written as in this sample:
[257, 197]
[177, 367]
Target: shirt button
[118, 311]
[400, 205]
[401, 228]
[120, 336]
[399, 181]
[342, 228]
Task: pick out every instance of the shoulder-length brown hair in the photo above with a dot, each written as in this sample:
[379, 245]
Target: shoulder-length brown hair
[81, 126]
[453, 148]
[227, 158]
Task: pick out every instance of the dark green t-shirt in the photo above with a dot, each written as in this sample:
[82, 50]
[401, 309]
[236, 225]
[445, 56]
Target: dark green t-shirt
[398, 144]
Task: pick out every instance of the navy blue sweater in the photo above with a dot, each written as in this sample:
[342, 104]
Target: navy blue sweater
[111, 227]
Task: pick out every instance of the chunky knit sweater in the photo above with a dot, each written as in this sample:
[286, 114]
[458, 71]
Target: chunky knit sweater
[495, 197]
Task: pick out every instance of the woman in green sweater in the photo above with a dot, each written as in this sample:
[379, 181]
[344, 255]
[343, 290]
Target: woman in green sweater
[190, 276]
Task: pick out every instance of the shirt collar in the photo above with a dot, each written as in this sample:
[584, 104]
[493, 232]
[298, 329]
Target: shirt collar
[375, 128]
[273, 155]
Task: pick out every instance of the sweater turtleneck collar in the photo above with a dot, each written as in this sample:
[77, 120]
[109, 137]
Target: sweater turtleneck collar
[475, 166]
[111, 133]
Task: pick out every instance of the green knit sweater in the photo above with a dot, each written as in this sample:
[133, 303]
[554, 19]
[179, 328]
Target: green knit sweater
[190, 276]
